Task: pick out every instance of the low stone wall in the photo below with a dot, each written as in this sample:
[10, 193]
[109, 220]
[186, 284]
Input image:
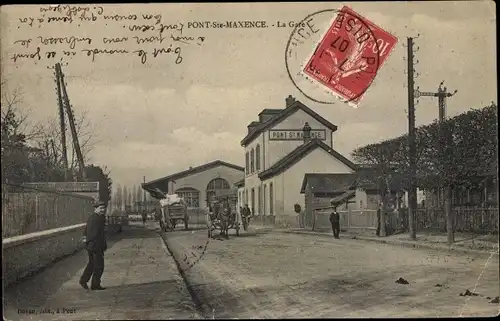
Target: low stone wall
[25, 254]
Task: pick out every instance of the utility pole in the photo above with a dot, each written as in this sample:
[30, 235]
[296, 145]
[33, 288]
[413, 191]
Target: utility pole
[62, 123]
[144, 193]
[412, 191]
[71, 119]
[446, 190]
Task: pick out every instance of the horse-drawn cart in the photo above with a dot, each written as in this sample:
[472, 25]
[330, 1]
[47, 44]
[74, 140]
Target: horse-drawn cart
[223, 215]
[173, 209]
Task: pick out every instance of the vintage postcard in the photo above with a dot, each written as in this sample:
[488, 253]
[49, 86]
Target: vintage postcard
[249, 160]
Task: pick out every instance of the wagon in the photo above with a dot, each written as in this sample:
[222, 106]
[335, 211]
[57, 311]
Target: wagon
[223, 216]
[173, 209]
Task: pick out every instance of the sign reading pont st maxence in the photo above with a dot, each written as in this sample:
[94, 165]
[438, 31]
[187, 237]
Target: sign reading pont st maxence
[295, 134]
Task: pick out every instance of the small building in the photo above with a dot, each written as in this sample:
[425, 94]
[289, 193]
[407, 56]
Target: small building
[198, 185]
[282, 146]
[355, 195]
[348, 191]
[320, 188]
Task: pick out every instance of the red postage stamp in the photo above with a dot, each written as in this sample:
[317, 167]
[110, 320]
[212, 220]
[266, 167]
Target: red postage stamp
[349, 55]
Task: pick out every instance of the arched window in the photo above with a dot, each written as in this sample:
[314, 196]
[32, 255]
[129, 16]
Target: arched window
[257, 157]
[247, 163]
[252, 161]
[214, 186]
[190, 195]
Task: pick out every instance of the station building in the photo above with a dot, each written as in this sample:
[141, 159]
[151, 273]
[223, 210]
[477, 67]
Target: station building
[280, 148]
[198, 185]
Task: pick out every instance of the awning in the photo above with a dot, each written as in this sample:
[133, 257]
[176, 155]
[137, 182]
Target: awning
[343, 197]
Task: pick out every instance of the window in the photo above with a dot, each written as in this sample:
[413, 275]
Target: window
[257, 157]
[247, 163]
[264, 202]
[259, 196]
[246, 196]
[360, 204]
[252, 156]
[215, 185]
[190, 195]
[271, 200]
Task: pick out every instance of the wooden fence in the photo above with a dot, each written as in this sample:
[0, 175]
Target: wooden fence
[467, 219]
[27, 210]
[472, 220]
[364, 219]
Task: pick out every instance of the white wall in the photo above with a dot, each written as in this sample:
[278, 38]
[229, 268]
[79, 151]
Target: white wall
[275, 150]
[25, 254]
[272, 151]
[289, 183]
[199, 181]
[241, 197]
[360, 196]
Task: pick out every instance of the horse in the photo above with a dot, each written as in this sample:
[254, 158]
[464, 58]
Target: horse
[224, 217]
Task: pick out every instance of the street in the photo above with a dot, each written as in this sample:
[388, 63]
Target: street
[141, 280]
[265, 274]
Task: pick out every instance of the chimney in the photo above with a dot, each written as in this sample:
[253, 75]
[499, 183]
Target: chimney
[252, 125]
[267, 114]
[307, 133]
[289, 100]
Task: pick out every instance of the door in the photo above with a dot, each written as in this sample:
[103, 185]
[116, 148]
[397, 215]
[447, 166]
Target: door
[252, 206]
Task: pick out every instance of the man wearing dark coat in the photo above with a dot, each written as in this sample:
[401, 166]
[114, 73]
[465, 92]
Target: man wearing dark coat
[96, 245]
[335, 221]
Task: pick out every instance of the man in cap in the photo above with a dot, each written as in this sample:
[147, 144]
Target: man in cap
[96, 245]
[335, 221]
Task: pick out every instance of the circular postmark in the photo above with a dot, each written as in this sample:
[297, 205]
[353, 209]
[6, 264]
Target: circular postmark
[186, 246]
[197, 252]
[334, 54]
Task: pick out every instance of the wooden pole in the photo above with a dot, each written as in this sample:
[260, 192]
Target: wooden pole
[412, 193]
[62, 123]
[71, 119]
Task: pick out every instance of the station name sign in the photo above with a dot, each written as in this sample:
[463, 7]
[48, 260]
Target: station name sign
[295, 134]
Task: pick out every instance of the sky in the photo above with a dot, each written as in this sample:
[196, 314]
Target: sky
[157, 118]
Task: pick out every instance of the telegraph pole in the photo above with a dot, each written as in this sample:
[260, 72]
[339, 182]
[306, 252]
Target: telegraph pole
[71, 119]
[446, 191]
[412, 192]
[62, 124]
[143, 190]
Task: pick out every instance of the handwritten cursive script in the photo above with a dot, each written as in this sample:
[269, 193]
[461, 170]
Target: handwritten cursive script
[142, 35]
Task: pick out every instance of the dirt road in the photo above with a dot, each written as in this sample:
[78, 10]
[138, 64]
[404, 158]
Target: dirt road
[272, 275]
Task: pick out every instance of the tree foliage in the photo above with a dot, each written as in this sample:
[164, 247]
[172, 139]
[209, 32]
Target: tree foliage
[118, 198]
[97, 174]
[453, 152]
[31, 153]
[21, 162]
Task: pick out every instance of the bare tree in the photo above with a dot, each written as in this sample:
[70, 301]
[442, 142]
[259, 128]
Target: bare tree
[17, 134]
[51, 134]
[13, 104]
